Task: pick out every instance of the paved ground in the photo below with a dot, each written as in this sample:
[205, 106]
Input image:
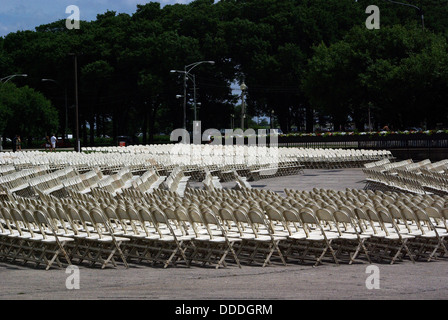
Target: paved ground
[403, 280]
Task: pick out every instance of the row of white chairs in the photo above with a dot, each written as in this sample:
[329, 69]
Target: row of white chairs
[419, 177]
[254, 225]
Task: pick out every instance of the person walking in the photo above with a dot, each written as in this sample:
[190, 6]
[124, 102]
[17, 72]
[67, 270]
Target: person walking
[47, 143]
[53, 142]
[14, 143]
[18, 143]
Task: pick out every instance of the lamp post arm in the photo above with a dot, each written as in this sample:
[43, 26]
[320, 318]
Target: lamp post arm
[405, 4]
[12, 76]
[194, 65]
[412, 6]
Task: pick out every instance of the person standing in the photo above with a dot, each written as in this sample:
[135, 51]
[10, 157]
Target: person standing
[47, 143]
[14, 143]
[18, 143]
[53, 142]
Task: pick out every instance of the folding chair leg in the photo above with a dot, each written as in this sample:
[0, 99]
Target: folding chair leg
[332, 252]
[223, 257]
[109, 258]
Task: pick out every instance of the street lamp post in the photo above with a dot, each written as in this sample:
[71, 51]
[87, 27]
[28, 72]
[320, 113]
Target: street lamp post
[187, 75]
[78, 142]
[420, 10]
[4, 80]
[243, 88]
[66, 107]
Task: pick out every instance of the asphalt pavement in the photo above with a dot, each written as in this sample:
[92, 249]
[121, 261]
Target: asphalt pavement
[360, 281]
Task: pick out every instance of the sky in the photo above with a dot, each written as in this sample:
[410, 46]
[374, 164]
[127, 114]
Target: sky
[18, 15]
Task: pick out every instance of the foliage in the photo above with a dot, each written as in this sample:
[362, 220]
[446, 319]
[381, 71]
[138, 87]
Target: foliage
[301, 60]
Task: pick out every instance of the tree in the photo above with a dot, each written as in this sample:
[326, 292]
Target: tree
[26, 112]
[397, 70]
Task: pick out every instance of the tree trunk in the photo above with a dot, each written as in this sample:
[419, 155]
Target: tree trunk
[309, 115]
[92, 130]
[145, 125]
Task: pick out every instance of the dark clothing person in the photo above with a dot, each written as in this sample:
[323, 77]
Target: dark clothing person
[14, 144]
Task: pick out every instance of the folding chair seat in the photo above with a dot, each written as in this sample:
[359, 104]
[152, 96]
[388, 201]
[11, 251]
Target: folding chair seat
[350, 240]
[11, 235]
[229, 222]
[430, 241]
[276, 220]
[129, 222]
[296, 240]
[168, 249]
[58, 223]
[49, 247]
[99, 245]
[211, 247]
[140, 232]
[28, 245]
[391, 243]
[172, 214]
[318, 241]
[435, 212]
[259, 248]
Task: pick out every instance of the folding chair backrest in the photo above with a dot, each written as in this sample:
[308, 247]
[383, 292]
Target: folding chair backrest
[159, 217]
[274, 214]
[241, 216]
[98, 220]
[195, 217]
[122, 213]
[385, 217]
[170, 213]
[145, 215]
[291, 216]
[182, 214]
[6, 215]
[325, 215]
[256, 219]
[341, 216]
[109, 212]
[17, 217]
[434, 213]
[133, 214]
[27, 218]
[308, 218]
[43, 222]
[210, 220]
[408, 214]
[226, 214]
[422, 216]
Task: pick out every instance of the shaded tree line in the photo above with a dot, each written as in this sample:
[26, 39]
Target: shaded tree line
[301, 60]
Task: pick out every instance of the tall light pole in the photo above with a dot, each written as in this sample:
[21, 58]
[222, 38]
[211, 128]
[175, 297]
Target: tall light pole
[243, 88]
[66, 108]
[78, 142]
[420, 10]
[187, 75]
[4, 80]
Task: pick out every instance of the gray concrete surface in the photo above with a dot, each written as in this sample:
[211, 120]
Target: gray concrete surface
[403, 280]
